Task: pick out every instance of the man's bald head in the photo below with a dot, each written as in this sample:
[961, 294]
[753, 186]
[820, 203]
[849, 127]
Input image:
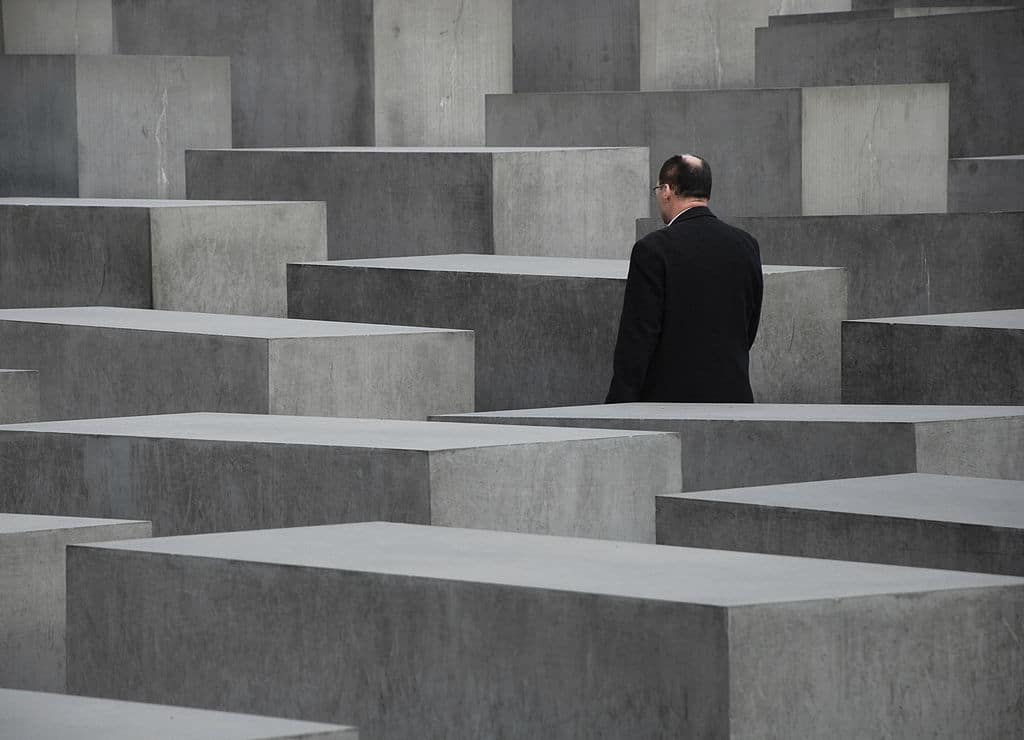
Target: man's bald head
[687, 175]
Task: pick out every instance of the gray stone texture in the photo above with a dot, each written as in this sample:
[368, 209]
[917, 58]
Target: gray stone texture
[923, 521]
[37, 716]
[773, 152]
[545, 327]
[301, 70]
[980, 55]
[966, 358]
[555, 637]
[912, 10]
[214, 257]
[871, 4]
[101, 361]
[397, 202]
[108, 126]
[726, 446]
[32, 609]
[19, 396]
[986, 184]
[219, 472]
[902, 264]
[55, 27]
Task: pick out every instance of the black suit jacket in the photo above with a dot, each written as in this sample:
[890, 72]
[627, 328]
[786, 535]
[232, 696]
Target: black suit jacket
[690, 314]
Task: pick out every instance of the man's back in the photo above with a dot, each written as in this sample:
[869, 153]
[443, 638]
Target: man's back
[690, 315]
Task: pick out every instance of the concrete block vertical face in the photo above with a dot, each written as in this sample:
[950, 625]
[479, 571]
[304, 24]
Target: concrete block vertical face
[19, 396]
[39, 134]
[401, 376]
[56, 27]
[433, 64]
[32, 645]
[986, 184]
[138, 115]
[583, 200]
[993, 448]
[875, 149]
[231, 259]
[578, 45]
[884, 652]
[301, 70]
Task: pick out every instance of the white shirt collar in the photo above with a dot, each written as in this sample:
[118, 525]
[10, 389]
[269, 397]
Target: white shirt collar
[681, 213]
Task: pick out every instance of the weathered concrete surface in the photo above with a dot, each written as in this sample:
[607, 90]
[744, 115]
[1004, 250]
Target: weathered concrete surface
[986, 184]
[302, 71]
[869, 4]
[32, 583]
[924, 521]
[912, 10]
[55, 27]
[773, 152]
[100, 361]
[552, 633]
[412, 201]
[109, 126]
[219, 472]
[214, 257]
[545, 327]
[31, 715]
[19, 396]
[975, 358]
[980, 55]
[726, 446]
[902, 264]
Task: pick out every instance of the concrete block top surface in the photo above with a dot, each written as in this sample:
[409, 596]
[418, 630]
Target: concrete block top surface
[1001, 158]
[1010, 319]
[182, 322]
[30, 715]
[500, 264]
[139, 202]
[18, 523]
[319, 431]
[619, 569]
[792, 412]
[935, 498]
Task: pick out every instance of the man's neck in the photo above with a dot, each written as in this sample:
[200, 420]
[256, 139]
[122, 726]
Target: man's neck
[686, 205]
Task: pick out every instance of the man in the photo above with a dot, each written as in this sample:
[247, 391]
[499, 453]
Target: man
[693, 300]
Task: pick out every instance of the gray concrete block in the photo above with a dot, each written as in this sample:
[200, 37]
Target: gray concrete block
[32, 646]
[773, 152]
[398, 202]
[214, 257]
[726, 446]
[37, 716]
[301, 70]
[219, 472]
[55, 27]
[940, 358]
[913, 10]
[555, 636]
[109, 126]
[902, 264]
[546, 327]
[980, 55]
[924, 521]
[19, 396]
[869, 4]
[986, 184]
[101, 361]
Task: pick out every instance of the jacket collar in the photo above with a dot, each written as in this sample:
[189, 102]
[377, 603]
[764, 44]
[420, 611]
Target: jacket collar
[695, 212]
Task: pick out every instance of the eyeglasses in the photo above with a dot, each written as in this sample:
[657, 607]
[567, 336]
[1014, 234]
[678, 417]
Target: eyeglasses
[656, 188]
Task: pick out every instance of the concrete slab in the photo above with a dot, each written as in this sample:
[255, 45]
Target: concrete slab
[55, 27]
[109, 126]
[37, 716]
[980, 55]
[32, 645]
[902, 264]
[19, 396]
[102, 361]
[212, 257]
[940, 358]
[219, 472]
[986, 184]
[773, 152]
[412, 201]
[925, 521]
[545, 327]
[726, 446]
[545, 624]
